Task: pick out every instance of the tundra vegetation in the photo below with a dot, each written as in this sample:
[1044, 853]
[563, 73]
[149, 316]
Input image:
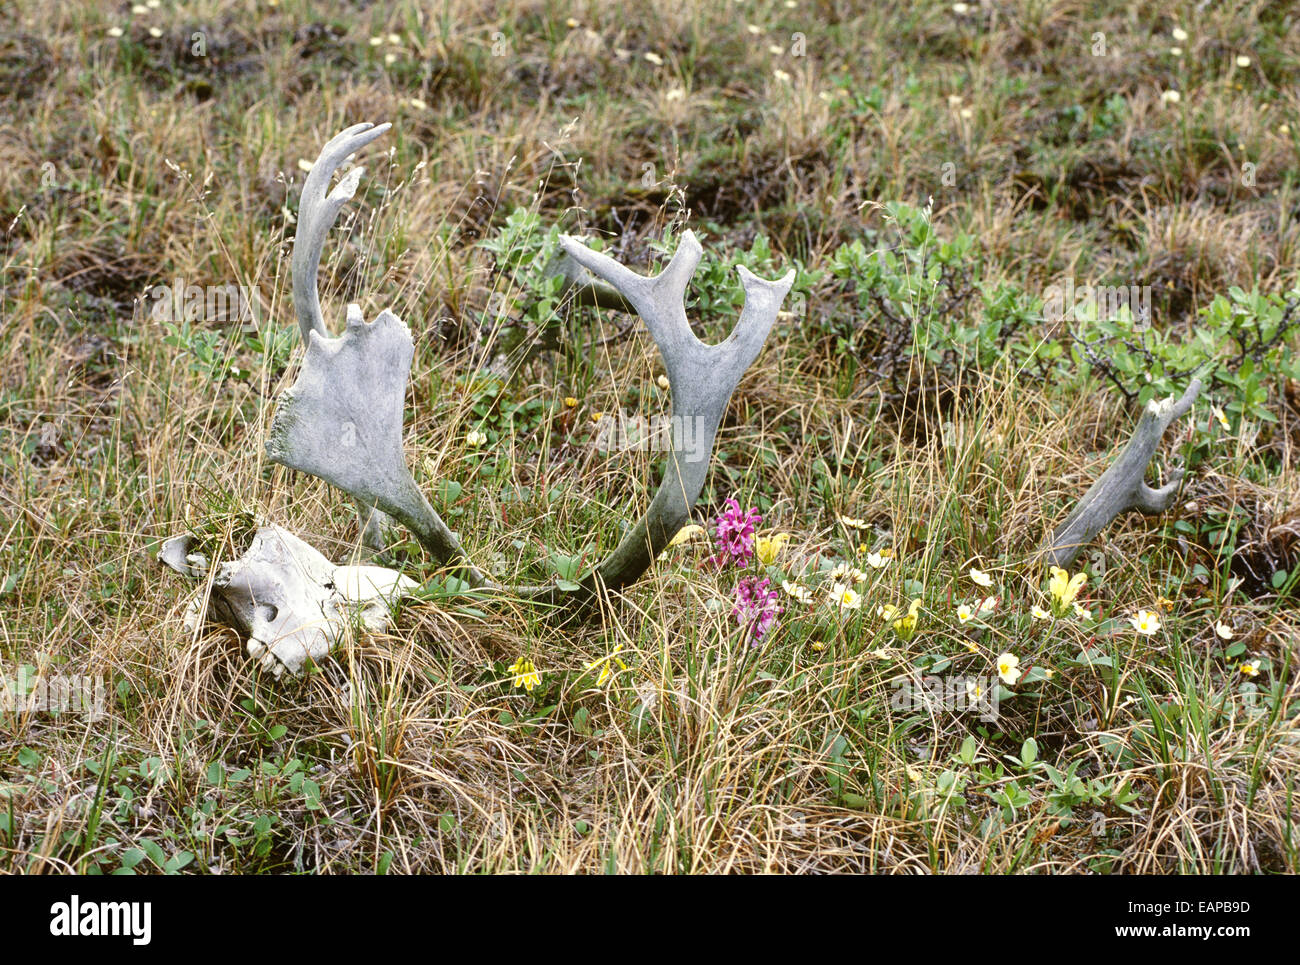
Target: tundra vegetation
[1011, 227]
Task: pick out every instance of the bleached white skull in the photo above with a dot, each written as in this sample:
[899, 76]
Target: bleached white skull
[286, 598]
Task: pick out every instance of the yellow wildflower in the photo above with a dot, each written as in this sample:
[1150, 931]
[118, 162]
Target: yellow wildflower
[525, 674]
[605, 666]
[1064, 588]
[686, 533]
[767, 548]
[905, 627]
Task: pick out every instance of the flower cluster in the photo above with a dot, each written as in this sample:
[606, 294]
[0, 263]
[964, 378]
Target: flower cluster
[734, 534]
[525, 674]
[756, 607]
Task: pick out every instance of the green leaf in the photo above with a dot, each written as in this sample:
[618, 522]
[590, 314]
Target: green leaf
[1029, 751]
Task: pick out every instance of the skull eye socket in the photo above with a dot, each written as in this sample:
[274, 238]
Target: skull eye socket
[268, 612]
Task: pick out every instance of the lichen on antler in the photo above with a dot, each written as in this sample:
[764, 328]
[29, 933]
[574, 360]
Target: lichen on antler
[1122, 487]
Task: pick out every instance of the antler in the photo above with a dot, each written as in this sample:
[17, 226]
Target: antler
[701, 377]
[342, 419]
[1121, 487]
[317, 212]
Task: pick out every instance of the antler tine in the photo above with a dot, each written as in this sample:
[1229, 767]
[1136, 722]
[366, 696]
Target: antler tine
[317, 212]
[660, 300]
[702, 378]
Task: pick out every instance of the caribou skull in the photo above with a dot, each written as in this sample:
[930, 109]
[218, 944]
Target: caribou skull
[288, 600]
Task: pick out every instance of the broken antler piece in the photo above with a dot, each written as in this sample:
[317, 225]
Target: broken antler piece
[702, 379]
[1121, 487]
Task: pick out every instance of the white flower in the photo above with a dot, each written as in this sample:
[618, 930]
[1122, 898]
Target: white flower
[1222, 419]
[1243, 61]
[1038, 613]
[1171, 97]
[653, 58]
[988, 603]
[1082, 612]
[1250, 668]
[115, 31]
[798, 591]
[845, 597]
[1145, 622]
[1009, 668]
[1176, 51]
[877, 561]
[965, 614]
[1179, 34]
[475, 438]
[981, 578]
[1223, 630]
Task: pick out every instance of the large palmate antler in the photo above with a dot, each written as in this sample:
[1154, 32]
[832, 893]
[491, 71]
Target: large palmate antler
[342, 420]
